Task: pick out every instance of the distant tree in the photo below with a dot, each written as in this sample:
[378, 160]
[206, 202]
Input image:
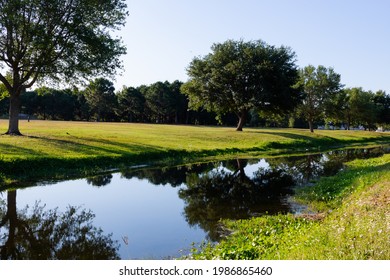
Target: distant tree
[337, 109]
[82, 110]
[319, 86]
[238, 76]
[131, 104]
[382, 101]
[56, 40]
[54, 104]
[362, 109]
[161, 102]
[180, 102]
[30, 101]
[100, 96]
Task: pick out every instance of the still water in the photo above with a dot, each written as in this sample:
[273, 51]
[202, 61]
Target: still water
[154, 213]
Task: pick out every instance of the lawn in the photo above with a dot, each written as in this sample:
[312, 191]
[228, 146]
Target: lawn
[59, 146]
[86, 139]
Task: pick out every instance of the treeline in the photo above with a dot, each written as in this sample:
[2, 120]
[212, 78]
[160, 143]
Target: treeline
[353, 107]
[163, 102]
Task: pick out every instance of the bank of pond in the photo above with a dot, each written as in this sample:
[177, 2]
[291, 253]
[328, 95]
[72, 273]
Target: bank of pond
[160, 212]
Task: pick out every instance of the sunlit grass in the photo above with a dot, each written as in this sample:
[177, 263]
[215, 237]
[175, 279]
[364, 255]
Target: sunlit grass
[58, 148]
[80, 139]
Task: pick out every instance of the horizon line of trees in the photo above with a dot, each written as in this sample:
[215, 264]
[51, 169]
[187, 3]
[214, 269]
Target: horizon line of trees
[161, 102]
[165, 103]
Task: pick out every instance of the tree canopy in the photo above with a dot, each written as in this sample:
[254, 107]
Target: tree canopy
[238, 76]
[319, 86]
[65, 40]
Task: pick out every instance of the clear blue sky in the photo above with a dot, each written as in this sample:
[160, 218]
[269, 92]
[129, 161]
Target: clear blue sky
[352, 36]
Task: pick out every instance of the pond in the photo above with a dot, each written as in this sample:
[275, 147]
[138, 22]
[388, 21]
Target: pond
[154, 213]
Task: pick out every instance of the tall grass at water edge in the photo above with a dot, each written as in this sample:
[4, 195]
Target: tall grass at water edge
[353, 222]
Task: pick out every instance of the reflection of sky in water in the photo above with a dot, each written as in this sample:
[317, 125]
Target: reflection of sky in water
[150, 216]
[250, 169]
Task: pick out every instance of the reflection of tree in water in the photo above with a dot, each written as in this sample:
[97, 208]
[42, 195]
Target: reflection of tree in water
[351, 154]
[229, 193]
[38, 234]
[302, 169]
[174, 176]
[233, 195]
[310, 167]
[99, 180]
[223, 190]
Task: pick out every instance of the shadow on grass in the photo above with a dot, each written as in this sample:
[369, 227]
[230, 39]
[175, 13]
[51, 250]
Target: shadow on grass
[8, 148]
[318, 141]
[110, 147]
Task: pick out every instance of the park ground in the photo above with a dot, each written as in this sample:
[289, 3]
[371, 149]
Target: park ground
[350, 212]
[117, 143]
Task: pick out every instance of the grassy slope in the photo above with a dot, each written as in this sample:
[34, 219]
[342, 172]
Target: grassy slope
[50, 146]
[355, 224]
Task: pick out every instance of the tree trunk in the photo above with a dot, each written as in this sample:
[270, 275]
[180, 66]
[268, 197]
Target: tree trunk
[311, 126]
[241, 120]
[14, 110]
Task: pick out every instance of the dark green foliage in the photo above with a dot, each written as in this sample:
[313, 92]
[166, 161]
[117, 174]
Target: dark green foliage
[161, 102]
[56, 40]
[164, 103]
[382, 101]
[100, 96]
[239, 76]
[319, 86]
[131, 105]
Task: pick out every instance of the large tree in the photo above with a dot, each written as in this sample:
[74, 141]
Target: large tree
[320, 86]
[238, 76]
[56, 40]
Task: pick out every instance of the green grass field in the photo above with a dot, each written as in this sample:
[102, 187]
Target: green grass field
[59, 149]
[86, 139]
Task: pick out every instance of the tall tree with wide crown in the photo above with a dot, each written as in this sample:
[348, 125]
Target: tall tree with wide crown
[238, 76]
[61, 40]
